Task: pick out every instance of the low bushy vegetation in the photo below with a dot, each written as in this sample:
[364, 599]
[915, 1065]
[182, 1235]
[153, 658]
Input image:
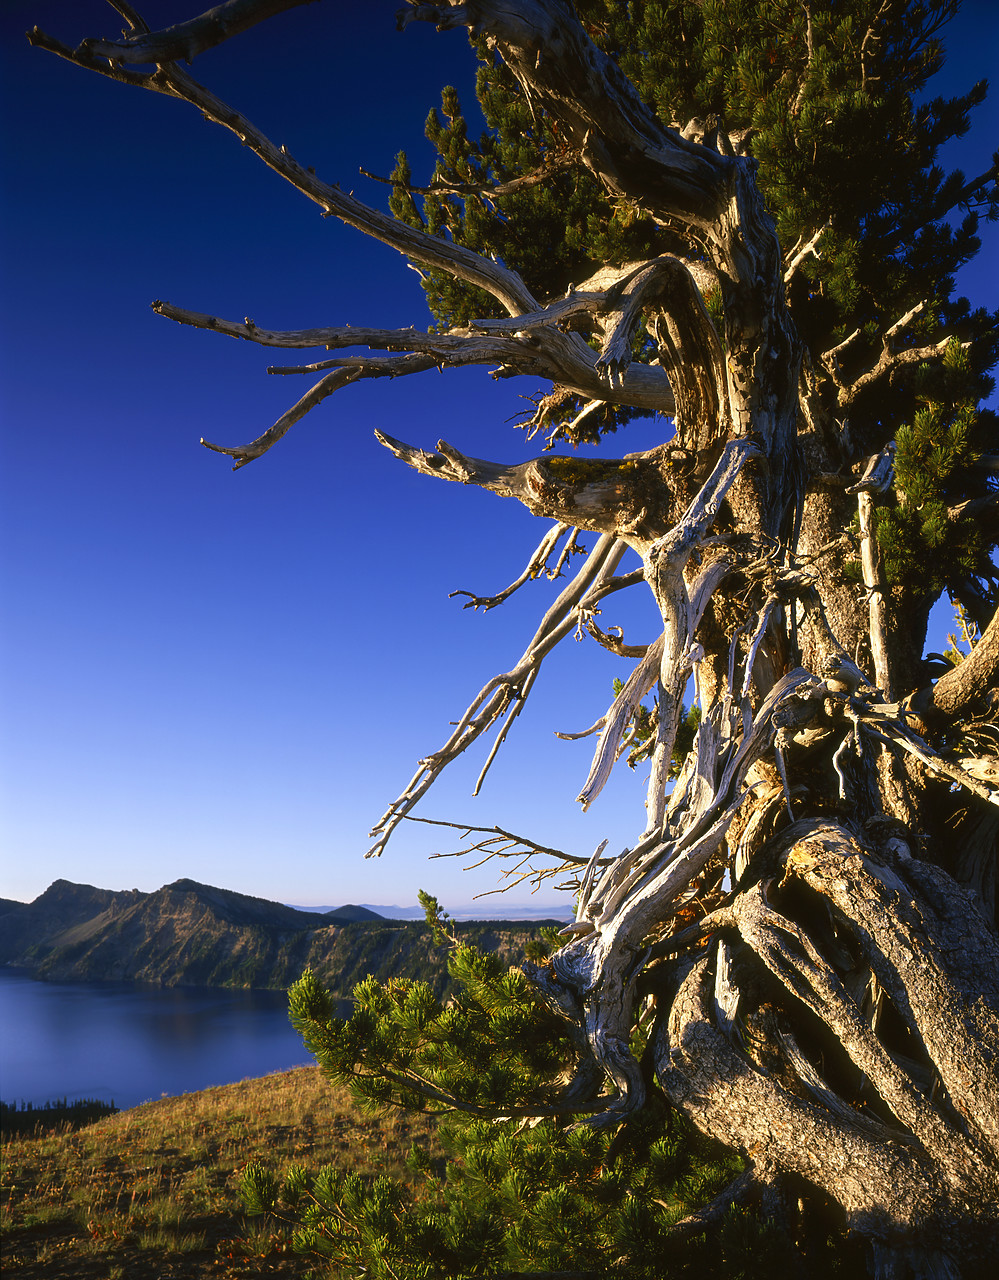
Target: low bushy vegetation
[529, 1192]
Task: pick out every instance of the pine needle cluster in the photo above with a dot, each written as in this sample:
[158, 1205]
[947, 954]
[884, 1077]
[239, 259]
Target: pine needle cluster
[929, 527]
[513, 1195]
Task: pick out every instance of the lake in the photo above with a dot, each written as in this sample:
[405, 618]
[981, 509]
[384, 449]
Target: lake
[123, 1043]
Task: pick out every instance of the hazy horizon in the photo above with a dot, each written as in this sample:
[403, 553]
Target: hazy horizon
[497, 908]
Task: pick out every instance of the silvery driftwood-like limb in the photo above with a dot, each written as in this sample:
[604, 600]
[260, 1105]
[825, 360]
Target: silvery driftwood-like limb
[533, 347]
[507, 692]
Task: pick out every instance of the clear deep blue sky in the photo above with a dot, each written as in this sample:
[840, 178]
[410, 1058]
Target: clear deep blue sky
[228, 676]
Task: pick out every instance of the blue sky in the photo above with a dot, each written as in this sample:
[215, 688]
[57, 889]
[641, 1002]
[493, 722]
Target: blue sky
[228, 676]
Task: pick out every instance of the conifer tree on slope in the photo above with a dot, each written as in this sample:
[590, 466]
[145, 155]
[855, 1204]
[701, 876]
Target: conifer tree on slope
[727, 214]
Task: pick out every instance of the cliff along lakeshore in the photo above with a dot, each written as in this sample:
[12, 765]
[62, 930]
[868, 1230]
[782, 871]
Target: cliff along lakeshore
[190, 934]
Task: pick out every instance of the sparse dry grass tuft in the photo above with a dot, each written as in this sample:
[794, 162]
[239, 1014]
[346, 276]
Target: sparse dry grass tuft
[151, 1191]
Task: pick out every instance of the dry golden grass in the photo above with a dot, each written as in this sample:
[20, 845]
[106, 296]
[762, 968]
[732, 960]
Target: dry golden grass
[152, 1191]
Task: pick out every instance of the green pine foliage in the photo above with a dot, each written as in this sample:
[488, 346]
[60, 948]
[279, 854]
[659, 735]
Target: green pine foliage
[926, 550]
[640, 740]
[513, 1195]
[493, 1045]
[554, 232]
[959, 646]
[545, 1199]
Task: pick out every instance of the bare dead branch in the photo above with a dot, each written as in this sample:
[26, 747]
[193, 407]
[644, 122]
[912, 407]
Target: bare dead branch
[891, 362]
[530, 346]
[597, 496]
[799, 100]
[766, 613]
[665, 561]
[877, 478]
[534, 568]
[111, 71]
[830, 358]
[614, 643]
[392, 367]
[187, 39]
[499, 833]
[599, 112]
[431, 251]
[503, 844]
[333, 338]
[134, 20]
[594, 578]
[803, 250]
[616, 720]
[894, 732]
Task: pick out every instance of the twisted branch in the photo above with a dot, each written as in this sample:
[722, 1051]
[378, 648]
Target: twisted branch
[509, 690]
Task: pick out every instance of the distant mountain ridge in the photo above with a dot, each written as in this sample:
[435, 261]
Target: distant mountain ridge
[348, 913]
[191, 934]
[469, 911]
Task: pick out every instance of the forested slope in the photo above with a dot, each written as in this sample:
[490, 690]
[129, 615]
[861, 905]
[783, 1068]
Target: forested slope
[190, 934]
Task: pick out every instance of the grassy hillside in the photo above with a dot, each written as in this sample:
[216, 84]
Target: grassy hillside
[151, 1191]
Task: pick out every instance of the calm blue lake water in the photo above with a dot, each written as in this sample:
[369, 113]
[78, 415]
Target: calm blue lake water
[127, 1044]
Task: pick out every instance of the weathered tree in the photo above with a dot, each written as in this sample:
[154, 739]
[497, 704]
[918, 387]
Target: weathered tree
[729, 215]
